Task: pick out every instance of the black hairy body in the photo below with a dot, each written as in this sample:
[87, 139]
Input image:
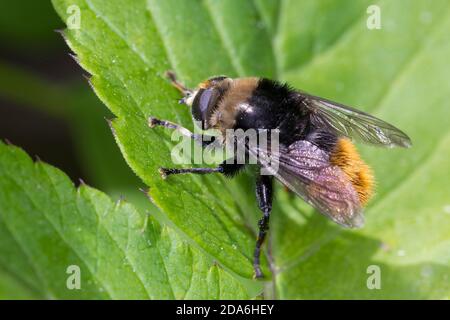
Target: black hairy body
[280, 107]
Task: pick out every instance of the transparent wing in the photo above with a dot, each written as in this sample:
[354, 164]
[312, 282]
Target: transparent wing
[353, 123]
[305, 169]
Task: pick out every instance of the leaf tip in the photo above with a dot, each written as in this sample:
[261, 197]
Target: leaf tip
[110, 124]
[75, 58]
[144, 190]
[61, 32]
[147, 194]
[120, 200]
[88, 77]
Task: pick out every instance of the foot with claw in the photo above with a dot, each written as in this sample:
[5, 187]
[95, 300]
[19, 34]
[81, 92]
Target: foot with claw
[163, 173]
[258, 273]
[152, 122]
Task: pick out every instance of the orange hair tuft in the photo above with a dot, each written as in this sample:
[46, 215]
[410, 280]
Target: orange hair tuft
[359, 173]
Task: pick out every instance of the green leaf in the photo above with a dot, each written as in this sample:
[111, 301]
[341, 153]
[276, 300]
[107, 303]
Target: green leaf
[13, 289]
[398, 73]
[126, 56]
[46, 225]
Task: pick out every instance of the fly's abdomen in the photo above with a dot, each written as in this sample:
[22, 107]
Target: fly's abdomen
[346, 157]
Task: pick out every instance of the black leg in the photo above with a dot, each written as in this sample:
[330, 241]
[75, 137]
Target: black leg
[166, 171]
[229, 170]
[205, 140]
[264, 197]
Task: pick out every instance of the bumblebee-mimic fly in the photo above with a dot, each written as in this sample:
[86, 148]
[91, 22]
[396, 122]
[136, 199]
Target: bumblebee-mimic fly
[315, 159]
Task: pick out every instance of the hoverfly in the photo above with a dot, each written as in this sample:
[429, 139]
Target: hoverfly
[316, 158]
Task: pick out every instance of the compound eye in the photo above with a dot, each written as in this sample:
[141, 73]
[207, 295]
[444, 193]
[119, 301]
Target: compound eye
[203, 103]
[205, 98]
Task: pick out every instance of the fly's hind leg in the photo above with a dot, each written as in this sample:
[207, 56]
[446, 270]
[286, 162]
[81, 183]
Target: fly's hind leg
[264, 197]
[205, 140]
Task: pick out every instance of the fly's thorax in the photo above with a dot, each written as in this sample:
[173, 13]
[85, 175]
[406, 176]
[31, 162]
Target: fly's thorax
[233, 102]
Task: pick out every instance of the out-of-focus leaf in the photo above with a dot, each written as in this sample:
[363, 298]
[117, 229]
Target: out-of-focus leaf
[27, 25]
[42, 94]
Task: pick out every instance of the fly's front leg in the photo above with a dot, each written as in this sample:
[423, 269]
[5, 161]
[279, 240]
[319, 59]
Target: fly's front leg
[264, 197]
[178, 85]
[204, 140]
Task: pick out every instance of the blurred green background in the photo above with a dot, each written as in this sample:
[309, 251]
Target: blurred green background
[50, 111]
